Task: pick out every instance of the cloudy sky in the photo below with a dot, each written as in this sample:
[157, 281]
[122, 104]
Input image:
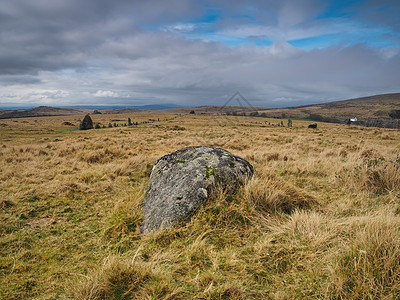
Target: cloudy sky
[196, 52]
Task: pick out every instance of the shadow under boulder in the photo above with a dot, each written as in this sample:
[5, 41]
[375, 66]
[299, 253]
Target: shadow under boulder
[180, 183]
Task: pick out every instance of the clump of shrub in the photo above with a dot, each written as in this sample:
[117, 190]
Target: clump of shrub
[395, 114]
[320, 118]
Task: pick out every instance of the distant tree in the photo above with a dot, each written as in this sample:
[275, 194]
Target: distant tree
[289, 123]
[96, 112]
[395, 114]
[115, 124]
[97, 126]
[320, 118]
[192, 112]
[109, 125]
[86, 123]
[129, 122]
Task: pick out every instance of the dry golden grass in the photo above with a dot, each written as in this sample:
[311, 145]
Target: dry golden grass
[320, 219]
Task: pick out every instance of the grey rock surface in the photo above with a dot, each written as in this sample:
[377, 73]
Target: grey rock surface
[180, 183]
[86, 123]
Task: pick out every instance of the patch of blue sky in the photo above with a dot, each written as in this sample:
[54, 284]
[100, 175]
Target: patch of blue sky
[317, 42]
[341, 9]
[243, 18]
[210, 16]
[370, 38]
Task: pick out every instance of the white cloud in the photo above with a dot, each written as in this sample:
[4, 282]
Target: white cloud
[180, 27]
[106, 94]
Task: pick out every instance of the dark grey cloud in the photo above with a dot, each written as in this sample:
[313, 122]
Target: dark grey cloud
[52, 34]
[7, 80]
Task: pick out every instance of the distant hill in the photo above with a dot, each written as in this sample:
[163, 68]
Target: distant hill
[43, 111]
[378, 106]
[40, 111]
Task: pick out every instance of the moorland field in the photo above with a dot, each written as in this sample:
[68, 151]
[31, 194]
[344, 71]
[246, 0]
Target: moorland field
[320, 219]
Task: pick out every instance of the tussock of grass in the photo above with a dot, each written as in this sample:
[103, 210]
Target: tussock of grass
[369, 265]
[115, 280]
[271, 195]
[126, 216]
[372, 174]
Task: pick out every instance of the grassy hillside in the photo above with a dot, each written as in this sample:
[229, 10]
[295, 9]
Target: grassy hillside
[321, 218]
[40, 112]
[378, 106]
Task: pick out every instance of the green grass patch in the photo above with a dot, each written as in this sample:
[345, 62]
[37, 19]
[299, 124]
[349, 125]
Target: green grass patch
[66, 130]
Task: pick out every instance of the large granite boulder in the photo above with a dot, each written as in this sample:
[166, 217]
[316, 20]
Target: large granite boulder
[180, 183]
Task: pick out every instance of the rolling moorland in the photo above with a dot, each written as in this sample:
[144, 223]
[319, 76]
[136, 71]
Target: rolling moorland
[320, 219]
[378, 106]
